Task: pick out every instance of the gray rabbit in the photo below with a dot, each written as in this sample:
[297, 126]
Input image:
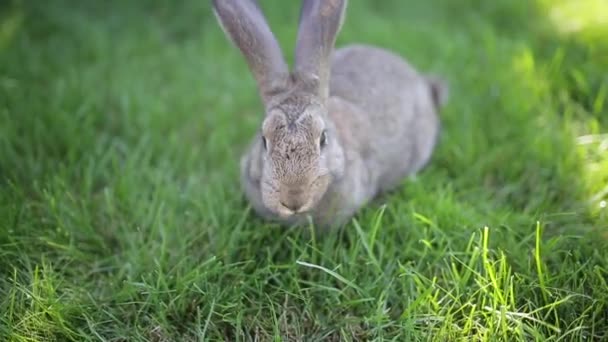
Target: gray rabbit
[339, 129]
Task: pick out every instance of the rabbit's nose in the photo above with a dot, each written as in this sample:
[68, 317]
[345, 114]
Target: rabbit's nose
[293, 199]
[293, 206]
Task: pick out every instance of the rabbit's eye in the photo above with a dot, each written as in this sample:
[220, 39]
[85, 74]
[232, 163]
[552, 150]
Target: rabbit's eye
[323, 139]
[264, 143]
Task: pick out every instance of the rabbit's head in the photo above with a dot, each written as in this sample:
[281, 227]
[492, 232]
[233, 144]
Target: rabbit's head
[301, 156]
[301, 152]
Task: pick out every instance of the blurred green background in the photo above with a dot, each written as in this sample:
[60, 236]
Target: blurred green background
[121, 215]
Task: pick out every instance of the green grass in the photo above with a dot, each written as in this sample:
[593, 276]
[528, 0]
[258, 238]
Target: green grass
[122, 219]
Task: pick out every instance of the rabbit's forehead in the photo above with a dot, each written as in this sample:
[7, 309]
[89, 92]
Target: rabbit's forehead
[308, 122]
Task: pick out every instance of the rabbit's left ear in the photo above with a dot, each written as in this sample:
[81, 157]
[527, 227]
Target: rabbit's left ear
[245, 24]
[320, 22]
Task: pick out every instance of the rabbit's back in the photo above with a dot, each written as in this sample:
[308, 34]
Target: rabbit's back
[396, 122]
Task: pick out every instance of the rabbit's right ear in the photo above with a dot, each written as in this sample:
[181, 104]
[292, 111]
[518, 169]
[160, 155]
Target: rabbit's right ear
[244, 23]
[320, 22]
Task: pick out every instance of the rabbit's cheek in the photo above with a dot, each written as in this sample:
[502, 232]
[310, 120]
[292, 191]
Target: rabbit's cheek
[270, 195]
[319, 188]
[308, 206]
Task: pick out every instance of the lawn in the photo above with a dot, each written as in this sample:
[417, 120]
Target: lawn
[122, 217]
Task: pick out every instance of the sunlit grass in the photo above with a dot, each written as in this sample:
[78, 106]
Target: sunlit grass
[585, 23]
[594, 148]
[578, 16]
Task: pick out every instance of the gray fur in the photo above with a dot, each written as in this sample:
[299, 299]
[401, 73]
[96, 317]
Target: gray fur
[320, 22]
[245, 25]
[378, 112]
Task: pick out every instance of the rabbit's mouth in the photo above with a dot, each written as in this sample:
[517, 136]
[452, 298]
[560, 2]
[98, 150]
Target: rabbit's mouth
[286, 212]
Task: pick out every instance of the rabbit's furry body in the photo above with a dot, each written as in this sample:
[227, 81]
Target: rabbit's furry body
[329, 151]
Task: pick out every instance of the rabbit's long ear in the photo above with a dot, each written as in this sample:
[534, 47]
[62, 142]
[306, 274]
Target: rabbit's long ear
[244, 23]
[320, 22]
